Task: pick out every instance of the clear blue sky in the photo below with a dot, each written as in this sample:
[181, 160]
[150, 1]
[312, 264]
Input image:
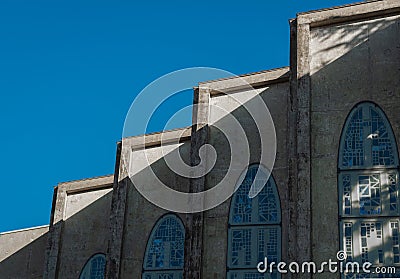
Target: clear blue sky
[69, 71]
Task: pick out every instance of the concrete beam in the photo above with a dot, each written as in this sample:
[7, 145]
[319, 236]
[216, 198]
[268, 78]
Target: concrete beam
[348, 13]
[155, 139]
[253, 80]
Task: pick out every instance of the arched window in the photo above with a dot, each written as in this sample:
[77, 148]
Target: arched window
[254, 226]
[94, 267]
[368, 188]
[164, 257]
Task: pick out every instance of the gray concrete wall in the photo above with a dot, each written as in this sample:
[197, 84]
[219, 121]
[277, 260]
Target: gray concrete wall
[85, 231]
[80, 226]
[349, 62]
[22, 253]
[339, 58]
[275, 95]
[140, 215]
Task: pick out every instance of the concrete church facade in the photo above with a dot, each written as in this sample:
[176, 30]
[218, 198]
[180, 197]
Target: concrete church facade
[334, 185]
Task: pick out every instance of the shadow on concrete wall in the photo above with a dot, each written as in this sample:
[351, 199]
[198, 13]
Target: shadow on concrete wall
[221, 144]
[76, 239]
[82, 235]
[87, 232]
[366, 70]
[27, 262]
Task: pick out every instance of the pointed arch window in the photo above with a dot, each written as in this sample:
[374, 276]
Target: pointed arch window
[94, 268]
[254, 226]
[369, 188]
[164, 257]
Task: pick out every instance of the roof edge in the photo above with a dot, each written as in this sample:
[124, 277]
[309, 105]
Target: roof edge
[86, 179]
[246, 75]
[158, 138]
[247, 81]
[24, 230]
[335, 7]
[351, 12]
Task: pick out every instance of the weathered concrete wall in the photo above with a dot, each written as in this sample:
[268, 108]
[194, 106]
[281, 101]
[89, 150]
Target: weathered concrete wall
[78, 201]
[22, 253]
[349, 63]
[275, 95]
[80, 227]
[340, 57]
[140, 215]
[86, 230]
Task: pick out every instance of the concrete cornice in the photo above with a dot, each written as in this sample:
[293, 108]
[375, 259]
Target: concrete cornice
[155, 139]
[352, 12]
[87, 184]
[26, 229]
[252, 80]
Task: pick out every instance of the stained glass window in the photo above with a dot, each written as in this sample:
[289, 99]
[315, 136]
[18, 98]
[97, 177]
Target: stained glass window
[254, 226]
[94, 268]
[164, 256]
[367, 141]
[368, 189]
